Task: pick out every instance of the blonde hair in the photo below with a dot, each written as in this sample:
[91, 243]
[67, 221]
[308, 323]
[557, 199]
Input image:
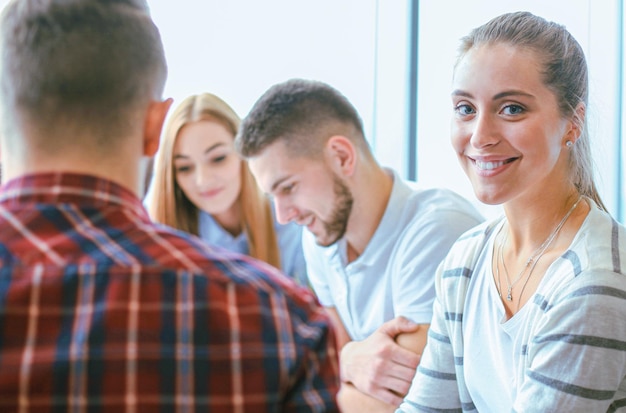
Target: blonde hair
[169, 205]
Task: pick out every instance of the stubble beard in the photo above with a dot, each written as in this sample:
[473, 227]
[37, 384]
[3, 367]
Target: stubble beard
[335, 227]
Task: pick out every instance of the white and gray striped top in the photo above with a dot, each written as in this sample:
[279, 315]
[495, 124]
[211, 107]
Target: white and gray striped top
[574, 353]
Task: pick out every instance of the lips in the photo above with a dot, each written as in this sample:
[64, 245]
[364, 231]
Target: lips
[211, 193]
[491, 165]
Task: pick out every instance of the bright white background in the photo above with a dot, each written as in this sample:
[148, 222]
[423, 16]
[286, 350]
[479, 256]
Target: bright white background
[594, 24]
[239, 48]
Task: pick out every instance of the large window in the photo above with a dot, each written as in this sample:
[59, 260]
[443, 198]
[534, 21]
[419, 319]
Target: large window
[596, 25]
[239, 48]
[393, 59]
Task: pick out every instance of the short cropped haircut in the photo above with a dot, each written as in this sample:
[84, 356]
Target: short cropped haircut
[303, 114]
[86, 63]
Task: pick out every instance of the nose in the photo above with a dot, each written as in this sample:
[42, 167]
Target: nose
[484, 132]
[201, 177]
[285, 212]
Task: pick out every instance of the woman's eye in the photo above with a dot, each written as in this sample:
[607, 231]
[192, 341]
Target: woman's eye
[182, 169]
[464, 109]
[512, 110]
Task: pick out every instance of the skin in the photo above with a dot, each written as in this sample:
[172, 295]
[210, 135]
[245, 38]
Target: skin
[510, 138]
[304, 190]
[208, 171]
[22, 155]
[377, 371]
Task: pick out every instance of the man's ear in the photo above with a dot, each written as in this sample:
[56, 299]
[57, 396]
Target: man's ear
[155, 117]
[341, 154]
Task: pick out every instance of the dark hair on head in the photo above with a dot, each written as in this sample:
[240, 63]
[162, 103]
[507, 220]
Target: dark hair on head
[564, 72]
[303, 114]
[84, 63]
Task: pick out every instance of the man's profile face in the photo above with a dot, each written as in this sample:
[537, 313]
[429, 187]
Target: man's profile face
[304, 190]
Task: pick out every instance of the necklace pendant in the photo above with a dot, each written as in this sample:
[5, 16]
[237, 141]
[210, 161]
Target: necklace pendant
[509, 297]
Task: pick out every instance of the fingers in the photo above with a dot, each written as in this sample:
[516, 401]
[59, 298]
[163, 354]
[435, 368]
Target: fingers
[394, 353]
[389, 376]
[378, 366]
[387, 396]
[398, 325]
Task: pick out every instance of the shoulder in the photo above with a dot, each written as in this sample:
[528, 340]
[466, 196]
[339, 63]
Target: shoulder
[600, 245]
[175, 251]
[441, 200]
[438, 214]
[464, 253]
[592, 270]
[434, 202]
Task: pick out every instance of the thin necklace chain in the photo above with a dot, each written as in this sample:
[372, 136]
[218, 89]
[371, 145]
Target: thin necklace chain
[531, 261]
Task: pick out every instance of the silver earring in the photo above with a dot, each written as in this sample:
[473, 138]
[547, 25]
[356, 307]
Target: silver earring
[569, 144]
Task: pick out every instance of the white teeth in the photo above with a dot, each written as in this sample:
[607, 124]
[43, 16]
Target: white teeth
[489, 165]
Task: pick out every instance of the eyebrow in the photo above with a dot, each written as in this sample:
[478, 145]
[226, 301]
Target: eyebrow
[497, 96]
[209, 149]
[278, 182]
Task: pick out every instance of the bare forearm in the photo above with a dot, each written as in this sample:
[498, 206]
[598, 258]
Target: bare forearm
[414, 341]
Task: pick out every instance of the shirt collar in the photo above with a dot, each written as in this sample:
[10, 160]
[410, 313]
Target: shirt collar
[400, 192]
[69, 188]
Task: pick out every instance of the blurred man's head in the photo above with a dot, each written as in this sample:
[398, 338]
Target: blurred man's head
[77, 72]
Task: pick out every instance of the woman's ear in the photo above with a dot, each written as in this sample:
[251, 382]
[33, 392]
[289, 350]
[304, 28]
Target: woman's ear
[576, 124]
[155, 117]
[341, 154]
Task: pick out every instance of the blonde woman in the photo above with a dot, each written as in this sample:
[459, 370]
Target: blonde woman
[201, 186]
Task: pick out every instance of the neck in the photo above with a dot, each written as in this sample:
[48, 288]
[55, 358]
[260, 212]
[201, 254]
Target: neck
[527, 245]
[371, 190]
[230, 220]
[530, 222]
[124, 169]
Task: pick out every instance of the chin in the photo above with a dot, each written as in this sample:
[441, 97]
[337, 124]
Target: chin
[488, 198]
[325, 240]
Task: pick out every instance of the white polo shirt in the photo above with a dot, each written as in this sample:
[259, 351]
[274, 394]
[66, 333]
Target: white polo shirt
[395, 274]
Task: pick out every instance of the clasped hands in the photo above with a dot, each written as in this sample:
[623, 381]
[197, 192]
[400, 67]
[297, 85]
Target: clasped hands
[378, 366]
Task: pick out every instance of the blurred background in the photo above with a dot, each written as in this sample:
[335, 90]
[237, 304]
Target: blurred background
[393, 60]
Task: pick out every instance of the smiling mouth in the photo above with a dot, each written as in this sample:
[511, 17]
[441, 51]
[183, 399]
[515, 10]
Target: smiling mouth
[212, 192]
[488, 166]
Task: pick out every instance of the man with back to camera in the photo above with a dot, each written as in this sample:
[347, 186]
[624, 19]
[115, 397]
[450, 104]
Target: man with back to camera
[373, 241]
[100, 309]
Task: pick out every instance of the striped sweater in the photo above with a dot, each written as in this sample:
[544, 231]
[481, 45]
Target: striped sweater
[573, 357]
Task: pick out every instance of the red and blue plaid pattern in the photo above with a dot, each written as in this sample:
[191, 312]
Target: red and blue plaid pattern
[103, 311]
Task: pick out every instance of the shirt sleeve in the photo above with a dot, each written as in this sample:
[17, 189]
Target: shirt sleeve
[425, 243]
[435, 387]
[577, 356]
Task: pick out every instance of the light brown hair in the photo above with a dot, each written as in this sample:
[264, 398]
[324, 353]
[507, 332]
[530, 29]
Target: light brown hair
[564, 72]
[169, 205]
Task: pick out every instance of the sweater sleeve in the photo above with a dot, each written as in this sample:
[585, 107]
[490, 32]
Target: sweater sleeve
[576, 360]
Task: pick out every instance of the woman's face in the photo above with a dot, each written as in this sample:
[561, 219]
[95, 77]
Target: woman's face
[507, 130]
[207, 168]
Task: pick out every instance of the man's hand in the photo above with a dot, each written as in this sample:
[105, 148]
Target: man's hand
[378, 366]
